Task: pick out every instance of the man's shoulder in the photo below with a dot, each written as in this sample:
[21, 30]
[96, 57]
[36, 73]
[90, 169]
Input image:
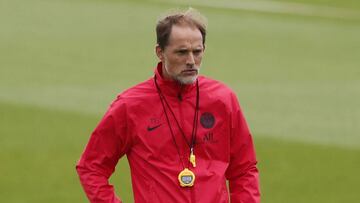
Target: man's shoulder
[214, 86]
[217, 92]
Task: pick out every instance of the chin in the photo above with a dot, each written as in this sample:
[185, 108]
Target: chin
[187, 80]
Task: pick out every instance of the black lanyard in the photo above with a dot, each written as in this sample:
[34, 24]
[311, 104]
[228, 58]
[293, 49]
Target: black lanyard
[195, 121]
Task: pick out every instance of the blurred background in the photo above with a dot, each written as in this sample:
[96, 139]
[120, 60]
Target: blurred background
[295, 65]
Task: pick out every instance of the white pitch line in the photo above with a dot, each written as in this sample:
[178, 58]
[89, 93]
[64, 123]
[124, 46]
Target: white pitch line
[275, 7]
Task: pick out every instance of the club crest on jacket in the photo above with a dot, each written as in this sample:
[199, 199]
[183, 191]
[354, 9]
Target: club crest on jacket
[207, 120]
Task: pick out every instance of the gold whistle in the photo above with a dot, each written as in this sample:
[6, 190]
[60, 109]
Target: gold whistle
[192, 159]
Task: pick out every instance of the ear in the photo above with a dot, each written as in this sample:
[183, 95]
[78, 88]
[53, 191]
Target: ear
[159, 52]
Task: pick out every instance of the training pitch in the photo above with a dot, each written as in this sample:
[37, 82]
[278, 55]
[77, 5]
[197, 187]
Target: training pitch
[293, 63]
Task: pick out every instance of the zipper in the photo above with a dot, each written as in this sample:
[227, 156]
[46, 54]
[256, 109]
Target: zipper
[180, 99]
[191, 189]
[192, 193]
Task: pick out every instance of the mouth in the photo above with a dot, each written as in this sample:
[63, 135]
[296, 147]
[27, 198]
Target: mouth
[189, 72]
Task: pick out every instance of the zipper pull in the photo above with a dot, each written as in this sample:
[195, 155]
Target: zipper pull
[179, 96]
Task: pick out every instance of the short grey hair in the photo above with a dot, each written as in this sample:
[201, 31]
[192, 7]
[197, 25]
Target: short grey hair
[190, 17]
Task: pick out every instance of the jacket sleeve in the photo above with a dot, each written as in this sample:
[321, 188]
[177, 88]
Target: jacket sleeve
[242, 172]
[107, 144]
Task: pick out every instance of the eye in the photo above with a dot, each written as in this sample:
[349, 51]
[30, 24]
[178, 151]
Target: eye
[182, 52]
[197, 51]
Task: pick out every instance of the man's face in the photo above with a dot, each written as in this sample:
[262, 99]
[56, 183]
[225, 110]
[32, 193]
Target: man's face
[182, 56]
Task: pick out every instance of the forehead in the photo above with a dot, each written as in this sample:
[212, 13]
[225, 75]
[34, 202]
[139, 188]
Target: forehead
[182, 35]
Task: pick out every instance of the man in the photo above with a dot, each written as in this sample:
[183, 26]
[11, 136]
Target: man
[184, 135]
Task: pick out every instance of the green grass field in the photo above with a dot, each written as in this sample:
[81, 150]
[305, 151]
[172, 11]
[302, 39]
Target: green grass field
[294, 64]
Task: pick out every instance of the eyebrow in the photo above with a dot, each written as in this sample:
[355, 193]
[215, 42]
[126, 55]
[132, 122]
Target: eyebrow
[187, 49]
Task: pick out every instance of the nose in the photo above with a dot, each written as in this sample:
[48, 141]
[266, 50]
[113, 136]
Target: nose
[190, 59]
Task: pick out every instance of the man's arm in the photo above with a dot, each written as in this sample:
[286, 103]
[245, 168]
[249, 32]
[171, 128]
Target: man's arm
[242, 172]
[107, 144]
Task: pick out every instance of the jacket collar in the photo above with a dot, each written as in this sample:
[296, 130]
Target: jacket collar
[172, 87]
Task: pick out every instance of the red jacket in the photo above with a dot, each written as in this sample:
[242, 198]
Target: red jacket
[136, 125]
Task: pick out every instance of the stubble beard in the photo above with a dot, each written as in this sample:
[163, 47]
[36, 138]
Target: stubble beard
[181, 78]
[186, 80]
